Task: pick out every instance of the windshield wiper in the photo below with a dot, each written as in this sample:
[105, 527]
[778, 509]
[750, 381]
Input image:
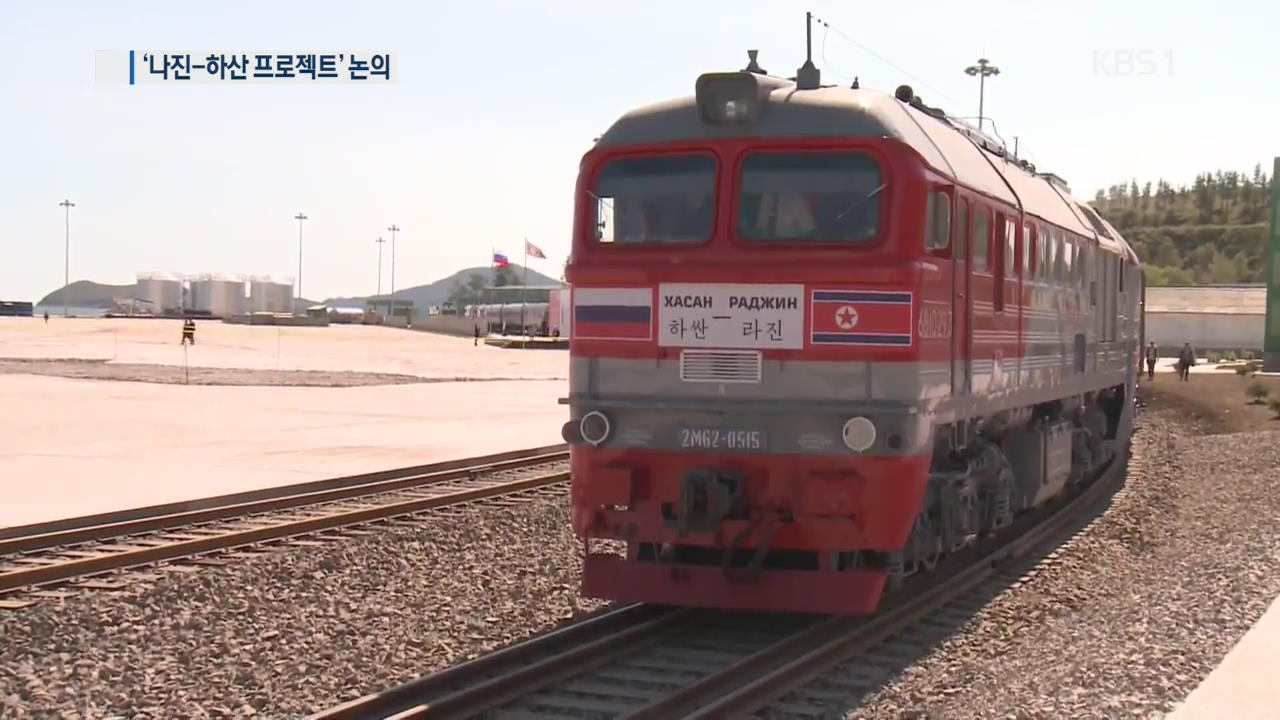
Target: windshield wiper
[861, 201]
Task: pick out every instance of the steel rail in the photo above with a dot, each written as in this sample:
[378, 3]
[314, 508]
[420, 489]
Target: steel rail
[229, 538]
[752, 683]
[464, 685]
[113, 516]
[448, 680]
[740, 687]
[306, 496]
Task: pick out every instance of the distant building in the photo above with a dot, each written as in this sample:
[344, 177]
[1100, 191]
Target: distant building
[162, 291]
[514, 293]
[382, 306]
[217, 294]
[1210, 317]
[133, 306]
[271, 295]
[209, 294]
[16, 308]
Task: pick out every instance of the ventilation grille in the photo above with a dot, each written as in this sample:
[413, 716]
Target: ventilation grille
[720, 366]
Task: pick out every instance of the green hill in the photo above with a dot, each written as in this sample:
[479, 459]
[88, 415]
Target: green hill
[1211, 232]
[463, 287]
[89, 294]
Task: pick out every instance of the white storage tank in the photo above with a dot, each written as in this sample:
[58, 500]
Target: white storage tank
[218, 294]
[270, 294]
[162, 290]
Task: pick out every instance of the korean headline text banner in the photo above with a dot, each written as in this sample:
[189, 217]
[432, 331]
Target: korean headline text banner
[149, 67]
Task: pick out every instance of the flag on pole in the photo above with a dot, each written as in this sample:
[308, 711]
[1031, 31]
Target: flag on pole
[500, 260]
[533, 250]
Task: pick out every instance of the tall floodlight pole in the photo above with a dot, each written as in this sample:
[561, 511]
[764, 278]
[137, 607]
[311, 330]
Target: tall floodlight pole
[983, 69]
[299, 217]
[392, 309]
[66, 266]
[1271, 335]
[380, 242]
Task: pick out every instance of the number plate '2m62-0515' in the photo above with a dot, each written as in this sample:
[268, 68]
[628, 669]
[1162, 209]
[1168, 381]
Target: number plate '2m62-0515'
[703, 438]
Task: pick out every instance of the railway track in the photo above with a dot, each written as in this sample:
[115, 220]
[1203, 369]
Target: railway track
[644, 662]
[79, 553]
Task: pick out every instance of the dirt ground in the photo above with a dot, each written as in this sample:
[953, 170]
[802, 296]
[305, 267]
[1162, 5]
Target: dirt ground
[1218, 400]
[175, 375]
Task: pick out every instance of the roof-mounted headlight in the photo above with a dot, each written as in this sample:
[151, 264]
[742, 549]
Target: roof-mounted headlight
[728, 98]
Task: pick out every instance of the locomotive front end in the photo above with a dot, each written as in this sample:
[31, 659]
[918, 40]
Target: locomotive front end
[747, 378]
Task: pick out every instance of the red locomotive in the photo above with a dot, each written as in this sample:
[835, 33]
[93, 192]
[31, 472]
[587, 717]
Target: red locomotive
[823, 336]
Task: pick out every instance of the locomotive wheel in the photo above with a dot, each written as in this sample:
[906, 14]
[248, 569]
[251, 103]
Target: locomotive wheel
[930, 561]
[896, 569]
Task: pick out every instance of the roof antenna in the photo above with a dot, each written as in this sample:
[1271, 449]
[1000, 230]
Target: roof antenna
[808, 77]
[753, 66]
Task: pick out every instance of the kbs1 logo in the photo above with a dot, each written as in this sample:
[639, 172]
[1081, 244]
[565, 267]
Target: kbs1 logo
[1123, 63]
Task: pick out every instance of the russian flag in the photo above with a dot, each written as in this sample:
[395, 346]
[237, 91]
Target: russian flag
[499, 260]
[861, 317]
[613, 313]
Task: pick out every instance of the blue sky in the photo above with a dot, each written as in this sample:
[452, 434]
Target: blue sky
[478, 143]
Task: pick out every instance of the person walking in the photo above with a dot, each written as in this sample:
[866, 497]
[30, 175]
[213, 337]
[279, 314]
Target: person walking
[1186, 359]
[188, 331]
[477, 341]
[1153, 353]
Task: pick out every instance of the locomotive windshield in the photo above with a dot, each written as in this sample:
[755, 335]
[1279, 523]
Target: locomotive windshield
[828, 197]
[655, 200]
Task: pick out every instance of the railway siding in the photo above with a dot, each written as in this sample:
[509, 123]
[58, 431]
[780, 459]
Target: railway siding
[74, 550]
[1126, 618]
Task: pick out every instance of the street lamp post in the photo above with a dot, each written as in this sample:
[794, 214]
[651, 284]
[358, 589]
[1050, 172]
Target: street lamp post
[66, 267]
[299, 217]
[380, 242]
[391, 310]
[983, 69]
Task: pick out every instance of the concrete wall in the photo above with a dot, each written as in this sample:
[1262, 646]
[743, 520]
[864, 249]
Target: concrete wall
[276, 319]
[447, 324]
[1205, 331]
[1208, 299]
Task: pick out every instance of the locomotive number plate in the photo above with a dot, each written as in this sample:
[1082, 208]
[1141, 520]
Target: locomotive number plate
[722, 439]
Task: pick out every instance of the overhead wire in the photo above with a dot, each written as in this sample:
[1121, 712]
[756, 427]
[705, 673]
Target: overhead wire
[828, 27]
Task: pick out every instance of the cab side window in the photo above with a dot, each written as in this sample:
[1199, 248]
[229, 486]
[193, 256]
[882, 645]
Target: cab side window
[937, 226]
[981, 239]
[1027, 245]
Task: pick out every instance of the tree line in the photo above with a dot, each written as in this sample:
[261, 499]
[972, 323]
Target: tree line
[1213, 231]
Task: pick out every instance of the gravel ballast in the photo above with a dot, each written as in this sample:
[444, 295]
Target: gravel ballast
[1126, 622]
[1139, 609]
[287, 633]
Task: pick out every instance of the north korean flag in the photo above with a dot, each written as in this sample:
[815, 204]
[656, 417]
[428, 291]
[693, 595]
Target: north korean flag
[861, 317]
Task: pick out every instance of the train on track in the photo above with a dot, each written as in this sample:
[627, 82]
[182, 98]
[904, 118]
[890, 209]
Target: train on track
[514, 318]
[824, 337]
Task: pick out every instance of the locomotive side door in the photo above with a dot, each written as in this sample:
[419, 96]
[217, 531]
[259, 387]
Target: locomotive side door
[961, 337]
